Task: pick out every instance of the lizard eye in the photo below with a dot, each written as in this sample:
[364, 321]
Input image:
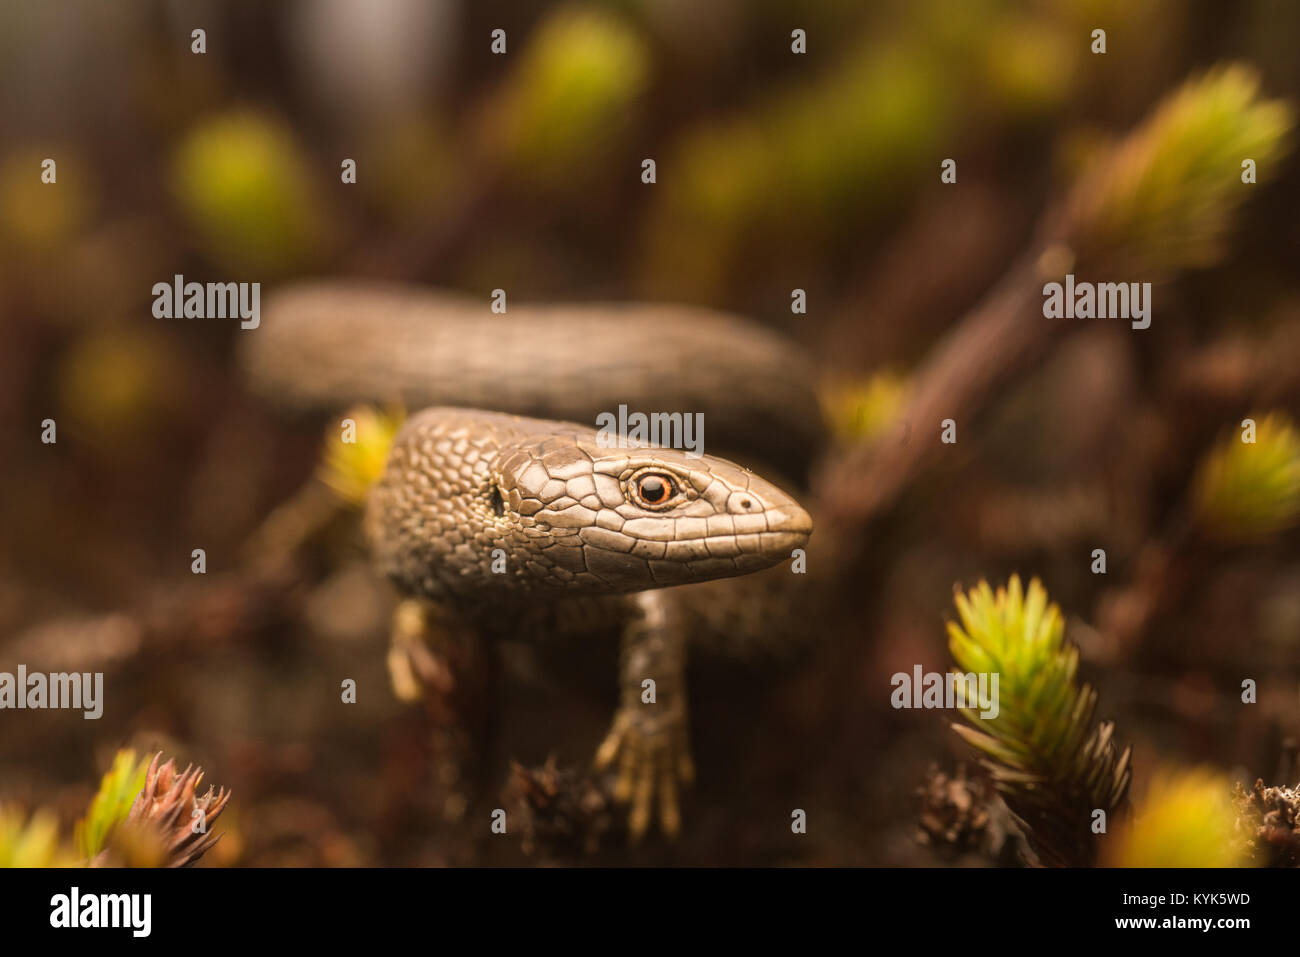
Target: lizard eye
[653, 489]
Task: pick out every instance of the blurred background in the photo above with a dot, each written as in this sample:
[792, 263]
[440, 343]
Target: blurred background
[774, 171]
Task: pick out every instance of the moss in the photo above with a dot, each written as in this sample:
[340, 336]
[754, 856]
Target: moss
[569, 96]
[1165, 198]
[1052, 765]
[1185, 820]
[350, 468]
[246, 189]
[111, 803]
[1250, 491]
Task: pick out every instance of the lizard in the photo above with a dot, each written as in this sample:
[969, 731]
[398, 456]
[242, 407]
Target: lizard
[512, 522]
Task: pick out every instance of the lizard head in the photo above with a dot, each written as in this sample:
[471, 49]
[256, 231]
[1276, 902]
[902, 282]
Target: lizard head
[473, 503]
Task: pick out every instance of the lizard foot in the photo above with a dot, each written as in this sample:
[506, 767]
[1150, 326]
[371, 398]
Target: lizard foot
[433, 660]
[654, 759]
[415, 666]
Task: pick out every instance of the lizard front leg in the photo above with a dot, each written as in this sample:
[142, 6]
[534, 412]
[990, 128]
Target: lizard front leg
[436, 658]
[648, 737]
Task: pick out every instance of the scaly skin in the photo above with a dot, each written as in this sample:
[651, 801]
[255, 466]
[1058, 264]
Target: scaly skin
[526, 527]
[330, 344]
[563, 511]
[506, 520]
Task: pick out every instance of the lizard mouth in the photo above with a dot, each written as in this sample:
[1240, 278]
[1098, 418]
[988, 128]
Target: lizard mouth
[790, 527]
[780, 522]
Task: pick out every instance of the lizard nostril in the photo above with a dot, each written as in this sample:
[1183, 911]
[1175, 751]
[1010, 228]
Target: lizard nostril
[498, 503]
[745, 503]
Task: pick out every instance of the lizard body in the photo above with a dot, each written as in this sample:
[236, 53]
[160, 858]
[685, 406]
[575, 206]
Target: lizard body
[514, 526]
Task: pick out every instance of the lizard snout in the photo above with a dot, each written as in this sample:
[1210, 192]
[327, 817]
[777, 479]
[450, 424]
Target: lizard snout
[790, 521]
[768, 518]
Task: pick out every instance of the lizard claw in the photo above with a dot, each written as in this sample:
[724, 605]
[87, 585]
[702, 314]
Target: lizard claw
[654, 759]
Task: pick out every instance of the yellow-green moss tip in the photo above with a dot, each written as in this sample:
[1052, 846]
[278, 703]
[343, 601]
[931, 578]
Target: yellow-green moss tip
[1163, 200]
[1248, 491]
[245, 187]
[31, 842]
[1020, 637]
[1009, 628]
[569, 96]
[863, 409]
[356, 451]
[109, 807]
[843, 142]
[1186, 820]
[1052, 765]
